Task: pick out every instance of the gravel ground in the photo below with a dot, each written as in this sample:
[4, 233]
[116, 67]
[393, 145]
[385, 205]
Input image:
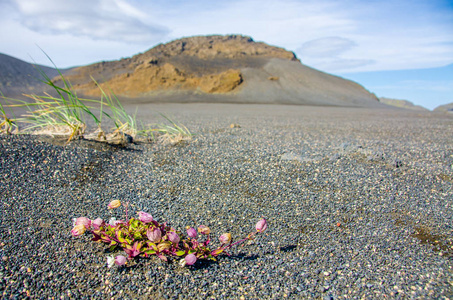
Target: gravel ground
[359, 204]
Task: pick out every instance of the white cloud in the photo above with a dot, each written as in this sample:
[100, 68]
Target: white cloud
[337, 64]
[326, 54]
[326, 47]
[95, 19]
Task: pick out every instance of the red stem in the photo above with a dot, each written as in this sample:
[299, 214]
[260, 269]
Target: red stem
[249, 237]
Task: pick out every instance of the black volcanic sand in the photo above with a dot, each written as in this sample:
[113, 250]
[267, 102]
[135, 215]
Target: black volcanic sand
[359, 204]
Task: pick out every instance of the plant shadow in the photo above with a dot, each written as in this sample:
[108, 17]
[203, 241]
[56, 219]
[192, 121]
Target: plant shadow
[288, 248]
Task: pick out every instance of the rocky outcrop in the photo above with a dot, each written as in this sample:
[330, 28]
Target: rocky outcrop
[150, 77]
[218, 46]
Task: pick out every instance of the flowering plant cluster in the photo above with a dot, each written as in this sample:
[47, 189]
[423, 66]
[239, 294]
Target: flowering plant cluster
[144, 236]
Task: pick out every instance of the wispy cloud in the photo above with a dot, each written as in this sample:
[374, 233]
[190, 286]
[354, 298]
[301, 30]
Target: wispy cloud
[114, 20]
[326, 54]
[326, 47]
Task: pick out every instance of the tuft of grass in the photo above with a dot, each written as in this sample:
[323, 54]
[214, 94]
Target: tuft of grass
[63, 115]
[124, 122]
[171, 133]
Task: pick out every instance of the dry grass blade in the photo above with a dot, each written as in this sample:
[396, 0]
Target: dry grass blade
[7, 124]
[124, 122]
[55, 118]
[173, 133]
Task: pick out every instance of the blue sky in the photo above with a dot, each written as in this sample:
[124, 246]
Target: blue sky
[375, 43]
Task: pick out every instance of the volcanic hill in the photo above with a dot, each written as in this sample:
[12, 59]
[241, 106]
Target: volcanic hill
[217, 68]
[230, 69]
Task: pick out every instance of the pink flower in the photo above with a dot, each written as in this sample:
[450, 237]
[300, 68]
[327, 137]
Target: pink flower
[154, 234]
[191, 232]
[190, 259]
[173, 237]
[225, 238]
[78, 230]
[145, 217]
[203, 229]
[97, 224]
[114, 204]
[83, 221]
[261, 225]
[119, 261]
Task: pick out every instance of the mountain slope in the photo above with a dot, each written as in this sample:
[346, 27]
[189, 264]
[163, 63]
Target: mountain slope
[17, 76]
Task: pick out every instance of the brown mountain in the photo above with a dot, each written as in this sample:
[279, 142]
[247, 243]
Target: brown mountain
[217, 68]
[231, 68]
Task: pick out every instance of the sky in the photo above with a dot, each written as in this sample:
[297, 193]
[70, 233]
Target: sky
[368, 41]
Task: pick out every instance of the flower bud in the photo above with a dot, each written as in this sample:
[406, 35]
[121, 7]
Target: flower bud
[182, 263]
[78, 230]
[203, 229]
[225, 238]
[114, 222]
[261, 225]
[173, 237]
[120, 260]
[163, 246]
[145, 217]
[97, 224]
[191, 232]
[83, 221]
[114, 204]
[154, 235]
[110, 261]
[190, 259]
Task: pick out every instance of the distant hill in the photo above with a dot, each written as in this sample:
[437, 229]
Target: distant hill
[431, 86]
[216, 68]
[402, 104]
[445, 108]
[18, 77]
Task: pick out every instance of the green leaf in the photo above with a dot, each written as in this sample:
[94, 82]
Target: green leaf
[152, 245]
[150, 252]
[180, 253]
[120, 236]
